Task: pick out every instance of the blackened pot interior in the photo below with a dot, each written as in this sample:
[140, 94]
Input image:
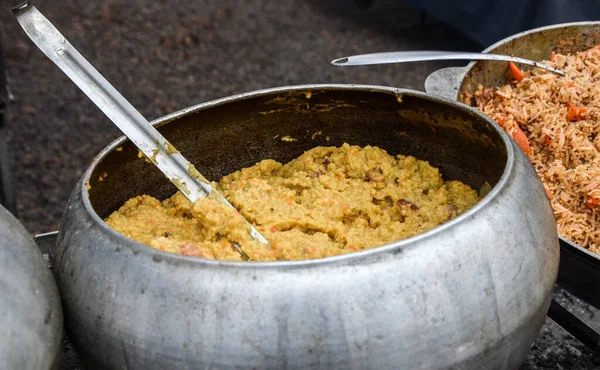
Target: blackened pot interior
[226, 135]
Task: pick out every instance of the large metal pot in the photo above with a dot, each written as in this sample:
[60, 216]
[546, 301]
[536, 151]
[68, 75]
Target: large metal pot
[579, 268]
[470, 294]
[31, 320]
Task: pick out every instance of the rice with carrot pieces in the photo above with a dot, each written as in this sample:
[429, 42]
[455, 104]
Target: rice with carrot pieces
[555, 120]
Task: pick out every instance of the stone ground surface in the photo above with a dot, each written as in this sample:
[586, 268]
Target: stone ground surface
[165, 55]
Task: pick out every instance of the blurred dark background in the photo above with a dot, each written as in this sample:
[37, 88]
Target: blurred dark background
[487, 21]
[165, 55]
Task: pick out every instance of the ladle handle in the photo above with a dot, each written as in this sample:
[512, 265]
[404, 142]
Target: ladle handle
[54, 45]
[424, 55]
[150, 142]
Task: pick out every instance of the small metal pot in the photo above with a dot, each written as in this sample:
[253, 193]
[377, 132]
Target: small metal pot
[31, 320]
[471, 294]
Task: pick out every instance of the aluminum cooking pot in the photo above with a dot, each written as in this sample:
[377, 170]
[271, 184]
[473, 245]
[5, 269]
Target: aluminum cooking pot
[471, 294]
[579, 269]
[31, 320]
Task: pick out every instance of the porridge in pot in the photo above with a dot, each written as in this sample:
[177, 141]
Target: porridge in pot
[328, 201]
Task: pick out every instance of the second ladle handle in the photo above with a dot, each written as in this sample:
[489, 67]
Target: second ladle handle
[425, 55]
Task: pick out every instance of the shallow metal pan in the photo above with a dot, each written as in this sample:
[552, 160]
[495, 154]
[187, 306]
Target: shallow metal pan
[579, 271]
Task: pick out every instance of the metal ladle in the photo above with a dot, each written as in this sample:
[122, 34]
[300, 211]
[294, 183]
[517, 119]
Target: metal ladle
[421, 56]
[149, 141]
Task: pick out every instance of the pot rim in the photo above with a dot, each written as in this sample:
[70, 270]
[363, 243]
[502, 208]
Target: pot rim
[403, 244]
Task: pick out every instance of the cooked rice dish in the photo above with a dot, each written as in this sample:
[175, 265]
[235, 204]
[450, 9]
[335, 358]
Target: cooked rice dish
[556, 120]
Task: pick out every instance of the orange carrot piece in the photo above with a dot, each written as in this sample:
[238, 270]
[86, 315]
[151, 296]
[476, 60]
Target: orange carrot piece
[552, 56]
[516, 72]
[520, 138]
[575, 113]
[592, 202]
[501, 121]
[548, 192]
[547, 140]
